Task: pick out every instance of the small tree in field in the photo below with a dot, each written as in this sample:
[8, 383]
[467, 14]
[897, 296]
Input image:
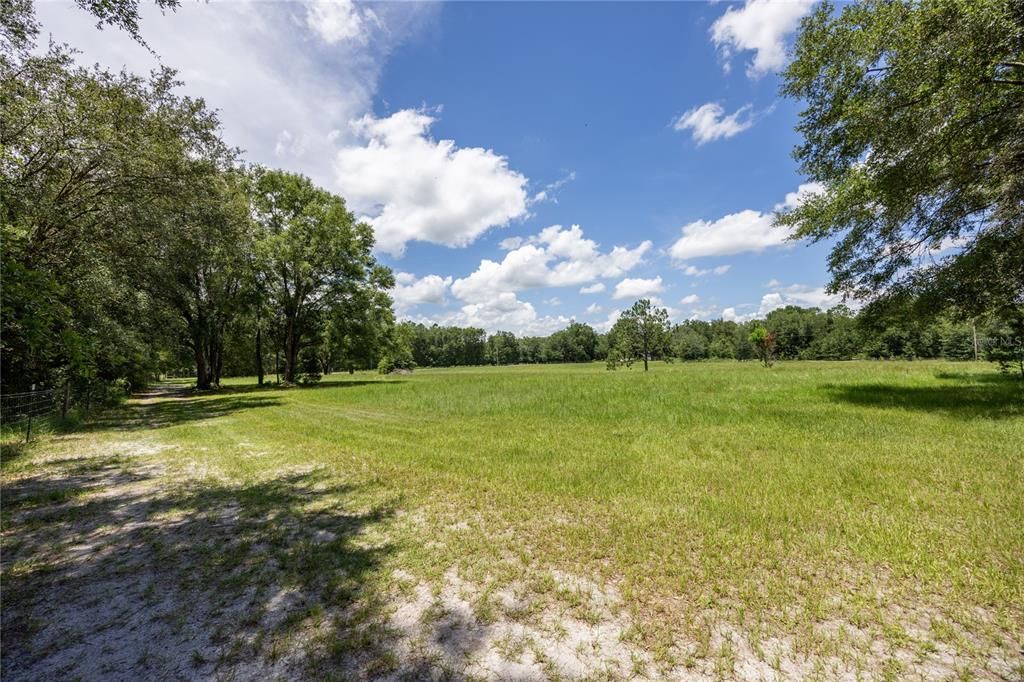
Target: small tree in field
[764, 344]
[642, 333]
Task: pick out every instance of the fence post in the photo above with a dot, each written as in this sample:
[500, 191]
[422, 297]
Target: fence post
[28, 429]
[67, 399]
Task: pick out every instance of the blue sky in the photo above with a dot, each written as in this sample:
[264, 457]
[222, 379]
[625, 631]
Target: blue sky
[523, 164]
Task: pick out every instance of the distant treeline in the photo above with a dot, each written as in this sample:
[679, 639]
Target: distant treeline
[800, 334]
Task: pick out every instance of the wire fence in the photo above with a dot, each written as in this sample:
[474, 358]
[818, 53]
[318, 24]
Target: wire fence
[19, 410]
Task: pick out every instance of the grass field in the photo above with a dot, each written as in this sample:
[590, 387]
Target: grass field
[702, 520]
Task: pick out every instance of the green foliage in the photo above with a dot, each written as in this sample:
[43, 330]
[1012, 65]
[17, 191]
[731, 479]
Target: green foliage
[764, 344]
[502, 348]
[133, 243]
[398, 354]
[641, 333]
[314, 258]
[1004, 341]
[914, 125]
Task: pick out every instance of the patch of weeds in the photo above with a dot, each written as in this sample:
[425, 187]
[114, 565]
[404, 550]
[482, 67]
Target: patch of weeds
[511, 647]
[892, 669]
[725, 663]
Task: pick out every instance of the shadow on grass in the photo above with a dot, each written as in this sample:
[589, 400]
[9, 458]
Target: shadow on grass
[989, 396]
[325, 383]
[108, 574]
[175, 409]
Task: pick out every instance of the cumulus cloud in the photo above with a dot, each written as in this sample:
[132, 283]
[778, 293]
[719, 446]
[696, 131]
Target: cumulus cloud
[510, 243]
[747, 230]
[730, 315]
[556, 257]
[505, 312]
[593, 309]
[762, 26]
[709, 122]
[608, 322]
[690, 300]
[638, 288]
[593, 288]
[334, 21]
[798, 294]
[414, 188]
[411, 291]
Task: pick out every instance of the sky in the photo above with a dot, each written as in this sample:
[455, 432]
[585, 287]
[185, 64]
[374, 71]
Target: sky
[523, 165]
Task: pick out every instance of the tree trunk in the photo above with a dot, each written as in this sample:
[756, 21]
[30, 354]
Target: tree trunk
[291, 355]
[202, 368]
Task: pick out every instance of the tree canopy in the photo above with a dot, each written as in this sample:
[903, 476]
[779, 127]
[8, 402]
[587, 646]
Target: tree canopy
[914, 125]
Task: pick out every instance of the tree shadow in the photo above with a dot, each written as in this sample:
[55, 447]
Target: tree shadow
[326, 383]
[972, 396]
[173, 410]
[110, 574]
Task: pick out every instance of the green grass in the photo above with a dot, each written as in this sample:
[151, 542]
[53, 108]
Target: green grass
[771, 499]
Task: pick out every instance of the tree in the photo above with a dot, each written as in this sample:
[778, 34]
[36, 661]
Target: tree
[764, 344]
[642, 332]
[688, 343]
[914, 126]
[1005, 344]
[502, 348]
[314, 254]
[99, 169]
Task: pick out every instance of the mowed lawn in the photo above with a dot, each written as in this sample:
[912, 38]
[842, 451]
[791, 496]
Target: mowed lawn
[860, 516]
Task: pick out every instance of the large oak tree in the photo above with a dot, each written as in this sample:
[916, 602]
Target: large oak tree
[913, 121]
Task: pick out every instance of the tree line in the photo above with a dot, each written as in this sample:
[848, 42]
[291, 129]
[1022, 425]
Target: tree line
[137, 243]
[644, 332]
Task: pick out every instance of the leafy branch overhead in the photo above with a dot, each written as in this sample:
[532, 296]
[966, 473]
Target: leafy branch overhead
[913, 120]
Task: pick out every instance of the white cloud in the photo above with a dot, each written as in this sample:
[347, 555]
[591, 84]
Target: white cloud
[553, 301]
[709, 122]
[411, 291]
[798, 294]
[747, 230]
[335, 21]
[762, 26]
[802, 193]
[730, 315]
[510, 243]
[415, 188]
[638, 288]
[608, 322]
[593, 288]
[593, 309]
[550, 190]
[689, 300]
[505, 312]
[694, 271]
[557, 257]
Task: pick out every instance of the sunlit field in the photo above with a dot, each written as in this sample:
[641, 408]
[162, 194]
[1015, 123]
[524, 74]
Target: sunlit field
[711, 519]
